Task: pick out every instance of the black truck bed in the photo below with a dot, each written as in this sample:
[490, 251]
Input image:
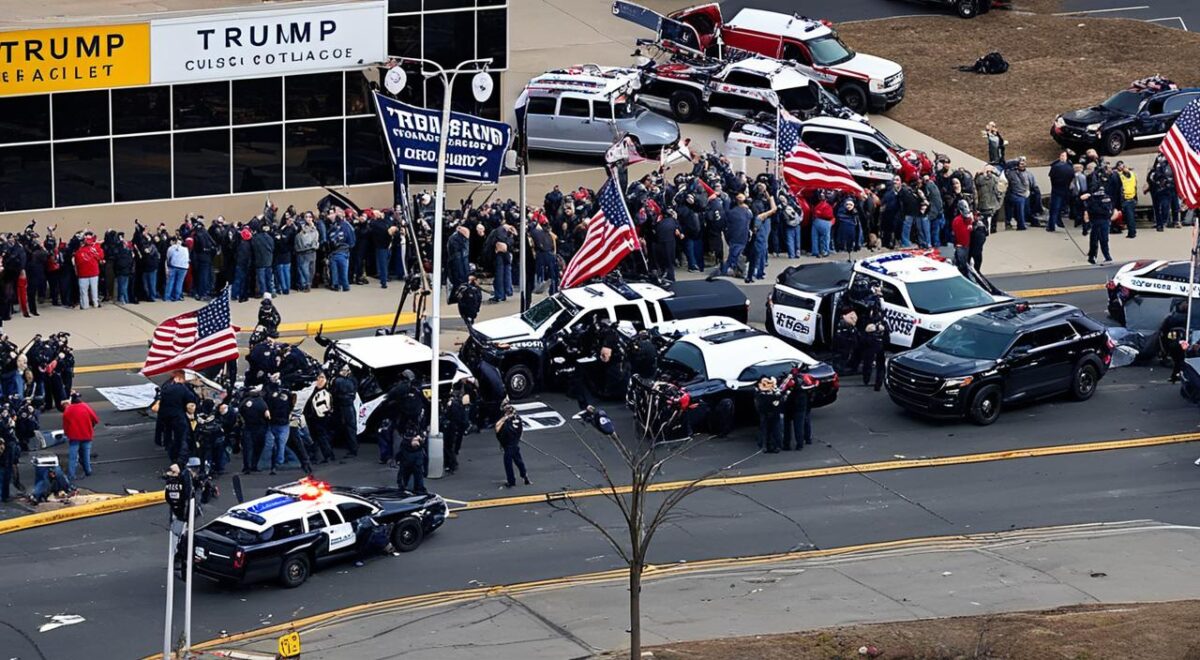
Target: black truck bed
[703, 298]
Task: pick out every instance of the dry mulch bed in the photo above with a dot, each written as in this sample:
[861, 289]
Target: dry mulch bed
[1058, 63]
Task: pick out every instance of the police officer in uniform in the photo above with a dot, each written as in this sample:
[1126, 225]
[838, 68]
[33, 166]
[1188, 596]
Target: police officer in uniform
[262, 359]
[255, 419]
[11, 382]
[457, 422]
[345, 424]
[845, 338]
[768, 403]
[1097, 215]
[411, 463]
[318, 413]
[508, 431]
[797, 413]
[612, 361]
[644, 357]
[172, 415]
[268, 316]
[210, 436]
[873, 340]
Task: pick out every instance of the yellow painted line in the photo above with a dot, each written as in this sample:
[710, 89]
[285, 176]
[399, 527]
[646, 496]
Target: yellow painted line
[97, 368]
[652, 572]
[89, 510]
[1056, 291]
[839, 470]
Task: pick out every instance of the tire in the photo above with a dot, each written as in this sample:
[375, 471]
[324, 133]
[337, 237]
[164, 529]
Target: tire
[985, 405]
[685, 105]
[1084, 381]
[854, 97]
[1115, 142]
[966, 8]
[518, 382]
[407, 535]
[295, 571]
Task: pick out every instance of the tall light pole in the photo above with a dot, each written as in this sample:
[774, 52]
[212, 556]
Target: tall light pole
[429, 69]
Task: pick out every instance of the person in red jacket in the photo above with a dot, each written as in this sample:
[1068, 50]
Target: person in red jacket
[88, 260]
[961, 229]
[79, 424]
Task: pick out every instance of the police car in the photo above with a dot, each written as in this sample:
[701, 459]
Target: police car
[920, 296]
[522, 346]
[378, 362]
[1147, 278]
[716, 362]
[302, 526]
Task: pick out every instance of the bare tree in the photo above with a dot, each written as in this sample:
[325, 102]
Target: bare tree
[658, 409]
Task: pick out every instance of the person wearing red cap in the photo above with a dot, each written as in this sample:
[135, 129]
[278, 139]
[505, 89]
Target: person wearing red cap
[79, 424]
[88, 260]
[243, 260]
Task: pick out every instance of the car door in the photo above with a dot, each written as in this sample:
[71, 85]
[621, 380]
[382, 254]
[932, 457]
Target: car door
[1040, 362]
[634, 313]
[1174, 105]
[834, 147]
[540, 123]
[794, 316]
[740, 94]
[872, 158]
[576, 130]
[1151, 122]
[340, 532]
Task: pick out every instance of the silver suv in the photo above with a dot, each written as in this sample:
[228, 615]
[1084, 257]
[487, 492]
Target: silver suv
[586, 109]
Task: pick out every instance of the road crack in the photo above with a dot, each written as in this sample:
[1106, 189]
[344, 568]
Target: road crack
[889, 489]
[809, 542]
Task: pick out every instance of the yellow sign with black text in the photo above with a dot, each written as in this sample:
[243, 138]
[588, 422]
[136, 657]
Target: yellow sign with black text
[289, 645]
[64, 59]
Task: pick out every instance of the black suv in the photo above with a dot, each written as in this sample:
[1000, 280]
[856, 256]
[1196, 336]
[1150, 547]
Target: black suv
[1140, 115]
[971, 8]
[1008, 354]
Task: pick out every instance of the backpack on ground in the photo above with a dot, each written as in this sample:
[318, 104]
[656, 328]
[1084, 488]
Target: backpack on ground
[991, 64]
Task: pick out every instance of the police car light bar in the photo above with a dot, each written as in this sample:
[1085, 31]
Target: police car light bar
[312, 489]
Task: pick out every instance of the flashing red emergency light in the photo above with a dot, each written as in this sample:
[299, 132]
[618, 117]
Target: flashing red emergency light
[312, 489]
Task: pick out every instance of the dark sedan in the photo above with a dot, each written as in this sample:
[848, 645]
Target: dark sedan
[1138, 116]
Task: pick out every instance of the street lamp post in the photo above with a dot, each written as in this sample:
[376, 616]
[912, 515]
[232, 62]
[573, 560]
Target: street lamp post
[429, 69]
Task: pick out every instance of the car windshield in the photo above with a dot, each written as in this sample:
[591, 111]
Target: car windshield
[1125, 102]
[973, 339]
[829, 50]
[537, 315]
[624, 110]
[685, 359]
[798, 99]
[947, 295]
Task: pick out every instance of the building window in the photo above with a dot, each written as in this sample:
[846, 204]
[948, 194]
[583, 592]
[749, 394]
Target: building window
[26, 118]
[401, 6]
[141, 110]
[257, 158]
[314, 95]
[81, 115]
[257, 101]
[25, 176]
[202, 163]
[493, 37]
[358, 94]
[201, 105]
[82, 173]
[404, 36]
[141, 168]
[313, 155]
[450, 37]
[367, 159]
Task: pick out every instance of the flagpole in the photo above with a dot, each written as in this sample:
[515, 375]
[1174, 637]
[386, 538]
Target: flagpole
[1187, 333]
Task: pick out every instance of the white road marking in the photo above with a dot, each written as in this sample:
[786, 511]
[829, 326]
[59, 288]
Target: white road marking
[1101, 11]
[1169, 18]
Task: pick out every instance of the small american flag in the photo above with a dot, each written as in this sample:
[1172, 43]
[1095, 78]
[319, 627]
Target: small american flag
[194, 340]
[610, 237]
[805, 169]
[1182, 149]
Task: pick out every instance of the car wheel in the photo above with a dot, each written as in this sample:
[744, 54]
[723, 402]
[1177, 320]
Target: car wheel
[294, 571]
[966, 8]
[854, 97]
[685, 105]
[1114, 142]
[407, 535]
[985, 405]
[1083, 383]
[518, 380]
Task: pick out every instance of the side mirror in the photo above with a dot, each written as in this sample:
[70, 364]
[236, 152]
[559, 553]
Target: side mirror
[1143, 114]
[1018, 352]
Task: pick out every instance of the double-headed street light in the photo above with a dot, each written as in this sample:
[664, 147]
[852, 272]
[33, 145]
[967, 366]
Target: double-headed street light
[481, 87]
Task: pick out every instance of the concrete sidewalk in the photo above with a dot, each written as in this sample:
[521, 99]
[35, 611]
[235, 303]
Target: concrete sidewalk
[905, 580]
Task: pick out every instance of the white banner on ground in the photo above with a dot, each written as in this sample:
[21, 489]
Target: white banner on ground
[129, 397]
[538, 416]
[270, 42]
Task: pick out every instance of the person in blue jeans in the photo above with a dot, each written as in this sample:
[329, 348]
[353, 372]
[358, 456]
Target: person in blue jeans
[178, 261]
[339, 270]
[737, 233]
[503, 285]
[923, 225]
[79, 423]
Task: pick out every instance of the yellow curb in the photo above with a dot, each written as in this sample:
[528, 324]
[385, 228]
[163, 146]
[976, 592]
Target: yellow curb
[838, 470]
[97, 368]
[652, 572]
[89, 510]
[1056, 291]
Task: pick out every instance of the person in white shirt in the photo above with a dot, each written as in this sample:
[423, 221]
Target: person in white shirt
[178, 261]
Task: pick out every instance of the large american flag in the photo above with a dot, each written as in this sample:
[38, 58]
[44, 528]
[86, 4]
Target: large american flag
[805, 169]
[610, 237]
[1182, 149]
[194, 340]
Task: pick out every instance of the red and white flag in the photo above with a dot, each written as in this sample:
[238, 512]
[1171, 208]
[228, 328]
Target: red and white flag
[194, 340]
[805, 169]
[1182, 149]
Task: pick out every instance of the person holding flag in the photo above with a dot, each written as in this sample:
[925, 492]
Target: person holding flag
[803, 168]
[195, 340]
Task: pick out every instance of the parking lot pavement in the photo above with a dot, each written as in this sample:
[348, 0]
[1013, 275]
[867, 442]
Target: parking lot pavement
[1181, 14]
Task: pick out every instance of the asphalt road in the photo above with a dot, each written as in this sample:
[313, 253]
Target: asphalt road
[110, 570]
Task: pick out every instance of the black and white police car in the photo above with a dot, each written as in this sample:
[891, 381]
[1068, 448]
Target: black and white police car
[378, 362]
[1148, 278]
[921, 296]
[716, 362]
[522, 346]
[299, 527]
